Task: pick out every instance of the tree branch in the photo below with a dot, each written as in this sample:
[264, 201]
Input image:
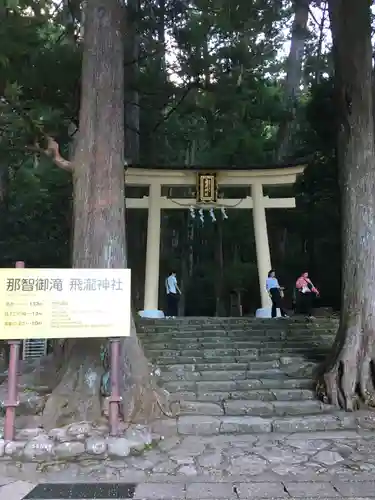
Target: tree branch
[174, 108]
[53, 152]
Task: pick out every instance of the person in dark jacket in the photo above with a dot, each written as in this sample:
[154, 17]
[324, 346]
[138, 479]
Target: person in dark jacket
[276, 293]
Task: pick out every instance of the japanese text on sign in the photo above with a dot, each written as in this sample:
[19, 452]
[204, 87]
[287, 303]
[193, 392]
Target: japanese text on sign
[64, 303]
[49, 285]
[206, 188]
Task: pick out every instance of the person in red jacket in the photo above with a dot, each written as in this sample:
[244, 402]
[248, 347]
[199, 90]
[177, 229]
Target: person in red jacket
[306, 293]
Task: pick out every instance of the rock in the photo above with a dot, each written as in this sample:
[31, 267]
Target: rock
[366, 421]
[30, 402]
[166, 467]
[69, 449]
[328, 457]
[39, 448]
[28, 434]
[169, 443]
[59, 434]
[102, 429]
[118, 447]
[141, 463]
[79, 430]
[188, 470]
[367, 467]
[138, 437]
[14, 449]
[96, 446]
[276, 455]
[181, 458]
[308, 446]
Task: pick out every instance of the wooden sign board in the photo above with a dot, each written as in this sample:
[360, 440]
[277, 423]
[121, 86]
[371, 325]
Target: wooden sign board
[206, 188]
[64, 303]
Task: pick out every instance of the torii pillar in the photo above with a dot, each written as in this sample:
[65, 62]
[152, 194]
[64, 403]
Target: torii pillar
[261, 241]
[151, 292]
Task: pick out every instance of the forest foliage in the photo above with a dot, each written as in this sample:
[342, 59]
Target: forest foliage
[212, 86]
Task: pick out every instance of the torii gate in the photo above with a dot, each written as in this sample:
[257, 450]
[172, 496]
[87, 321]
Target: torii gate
[207, 181]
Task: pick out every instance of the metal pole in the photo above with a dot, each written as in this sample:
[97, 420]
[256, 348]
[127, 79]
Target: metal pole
[12, 401]
[115, 398]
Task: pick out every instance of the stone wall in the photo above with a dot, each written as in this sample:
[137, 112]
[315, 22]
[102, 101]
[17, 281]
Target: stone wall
[76, 441]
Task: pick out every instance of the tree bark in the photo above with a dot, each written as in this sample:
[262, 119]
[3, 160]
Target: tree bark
[347, 375]
[293, 74]
[132, 109]
[99, 224]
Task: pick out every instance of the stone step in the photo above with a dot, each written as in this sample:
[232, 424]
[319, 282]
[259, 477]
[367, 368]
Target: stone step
[172, 345]
[242, 334]
[236, 344]
[261, 350]
[206, 425]
[254, 408]
[247, 374]
[228, 386]
[165, 363]
[256, 332]
[243, 377]
[228, 343]
[210, 375]
[222, 366]
[230, 352]
[251, 327]
[194, 367]
[214, 334]
[231, 322]
[243, 356]
[248, 395]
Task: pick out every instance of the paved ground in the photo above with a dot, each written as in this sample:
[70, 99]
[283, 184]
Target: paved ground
[300, 465]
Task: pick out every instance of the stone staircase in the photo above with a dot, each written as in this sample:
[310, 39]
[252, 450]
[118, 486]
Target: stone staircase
[243, 376]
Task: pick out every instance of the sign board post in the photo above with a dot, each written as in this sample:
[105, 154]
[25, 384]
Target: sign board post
[12, 402]
[115, 398]
[64, 304]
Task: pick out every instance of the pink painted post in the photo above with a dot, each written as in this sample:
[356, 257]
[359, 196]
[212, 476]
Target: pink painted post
[115, 399]
[12, 402]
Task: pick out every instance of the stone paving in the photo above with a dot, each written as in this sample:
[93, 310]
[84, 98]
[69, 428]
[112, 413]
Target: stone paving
[320, 464]
[258, 433]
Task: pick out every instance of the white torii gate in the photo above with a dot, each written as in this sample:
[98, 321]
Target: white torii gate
[155, 202]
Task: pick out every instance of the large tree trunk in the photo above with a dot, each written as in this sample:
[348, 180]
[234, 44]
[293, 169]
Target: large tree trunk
[293, 74]
[99, 222]
[347, 375]
[132, 96]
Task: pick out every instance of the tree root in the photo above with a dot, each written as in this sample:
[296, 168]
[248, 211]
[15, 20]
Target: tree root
[346, 378]
[142, 400]
[76, 397]
[147, 403]
[72, 377]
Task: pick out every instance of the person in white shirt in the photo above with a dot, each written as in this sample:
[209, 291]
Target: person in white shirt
[276, 294]
[173, 292]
